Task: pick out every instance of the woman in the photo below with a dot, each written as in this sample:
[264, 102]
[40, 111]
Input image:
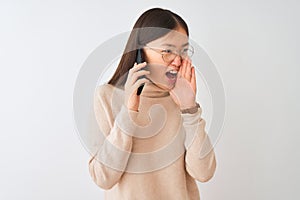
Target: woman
[157, 156]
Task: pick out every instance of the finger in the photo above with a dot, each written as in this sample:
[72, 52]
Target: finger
[139, 82]
[136, 67]
[131, 69]
[138, 74]
[140, 65]
[185, 69]
[188, 62]
[188, 71]
[193, 79]
[183, 66]
[179, 74]
[180, 71]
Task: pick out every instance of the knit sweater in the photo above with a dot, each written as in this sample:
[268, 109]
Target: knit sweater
[154, 153]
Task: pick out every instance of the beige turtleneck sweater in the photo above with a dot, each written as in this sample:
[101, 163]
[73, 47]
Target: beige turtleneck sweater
[155, 153]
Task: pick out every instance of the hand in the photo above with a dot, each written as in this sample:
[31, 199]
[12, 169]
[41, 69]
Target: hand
[184, 92]
[132, 100]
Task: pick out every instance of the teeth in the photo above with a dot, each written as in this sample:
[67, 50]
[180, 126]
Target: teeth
[173, 72]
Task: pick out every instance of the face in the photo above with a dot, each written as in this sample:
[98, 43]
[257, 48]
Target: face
[162, 71]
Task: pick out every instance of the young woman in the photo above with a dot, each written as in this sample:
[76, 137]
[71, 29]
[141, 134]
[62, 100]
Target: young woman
[154, 133]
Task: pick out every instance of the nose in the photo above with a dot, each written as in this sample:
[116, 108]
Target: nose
[177, 61]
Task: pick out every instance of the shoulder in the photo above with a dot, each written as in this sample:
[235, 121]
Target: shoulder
[110, 97]
[106, 90]
[103, 89]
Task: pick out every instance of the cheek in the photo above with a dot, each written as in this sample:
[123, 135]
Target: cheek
[157, 72]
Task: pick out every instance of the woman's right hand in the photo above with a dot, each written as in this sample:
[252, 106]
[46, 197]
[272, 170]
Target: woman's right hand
[132, 100]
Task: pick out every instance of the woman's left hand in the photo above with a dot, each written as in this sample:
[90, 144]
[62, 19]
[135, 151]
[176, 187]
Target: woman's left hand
[184, 92]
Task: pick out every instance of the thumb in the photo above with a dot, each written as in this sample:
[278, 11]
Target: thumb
[174, 97]
[179, 74]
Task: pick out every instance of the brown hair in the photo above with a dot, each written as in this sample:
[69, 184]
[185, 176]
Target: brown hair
[142, 33]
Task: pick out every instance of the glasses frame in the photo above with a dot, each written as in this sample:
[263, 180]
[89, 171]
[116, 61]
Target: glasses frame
[159, 50]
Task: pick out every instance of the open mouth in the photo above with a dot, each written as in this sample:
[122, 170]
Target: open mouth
[172, 74]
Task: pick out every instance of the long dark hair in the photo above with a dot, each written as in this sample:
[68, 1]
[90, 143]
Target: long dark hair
[163, 22]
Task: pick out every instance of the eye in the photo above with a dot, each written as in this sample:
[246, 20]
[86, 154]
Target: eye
[185, 50]
[167, 51]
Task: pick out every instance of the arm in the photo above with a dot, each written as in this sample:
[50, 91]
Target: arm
[200, 159]
[108, 164]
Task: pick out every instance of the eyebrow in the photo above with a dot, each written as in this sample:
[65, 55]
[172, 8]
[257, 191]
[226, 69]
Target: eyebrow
[171, 45]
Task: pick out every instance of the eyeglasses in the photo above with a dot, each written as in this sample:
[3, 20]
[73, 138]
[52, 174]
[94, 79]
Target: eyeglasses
[168, 55]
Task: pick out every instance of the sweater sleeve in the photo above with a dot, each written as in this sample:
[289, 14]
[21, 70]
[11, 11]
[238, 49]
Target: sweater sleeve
[109, 163]
[200, 159]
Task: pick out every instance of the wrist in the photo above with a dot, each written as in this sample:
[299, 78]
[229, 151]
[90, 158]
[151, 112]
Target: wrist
[191, 109]
[188, 105]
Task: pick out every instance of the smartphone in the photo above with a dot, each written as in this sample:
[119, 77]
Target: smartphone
[139, 59]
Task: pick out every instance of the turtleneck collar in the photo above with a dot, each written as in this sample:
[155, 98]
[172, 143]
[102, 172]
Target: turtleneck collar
[153, 91]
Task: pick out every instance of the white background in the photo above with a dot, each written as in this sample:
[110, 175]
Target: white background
[254, 44]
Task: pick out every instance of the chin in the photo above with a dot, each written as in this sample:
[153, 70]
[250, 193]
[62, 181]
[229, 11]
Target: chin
[165, 86]
[162, 83]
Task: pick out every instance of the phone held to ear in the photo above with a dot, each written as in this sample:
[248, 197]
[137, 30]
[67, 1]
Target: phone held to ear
[139, 59]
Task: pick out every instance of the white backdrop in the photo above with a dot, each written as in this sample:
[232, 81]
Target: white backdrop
[254, 45]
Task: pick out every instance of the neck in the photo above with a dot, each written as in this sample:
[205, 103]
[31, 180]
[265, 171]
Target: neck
[154, 91]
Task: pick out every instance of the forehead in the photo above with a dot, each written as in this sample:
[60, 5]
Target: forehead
[175, 38]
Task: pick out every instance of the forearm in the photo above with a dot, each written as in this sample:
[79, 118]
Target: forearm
[108, 165]
[113, 151]
[200, 157]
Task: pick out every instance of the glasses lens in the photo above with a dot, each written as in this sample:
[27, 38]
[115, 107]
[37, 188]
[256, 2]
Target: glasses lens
[169, 57]
[191, 51]
[188, 52]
